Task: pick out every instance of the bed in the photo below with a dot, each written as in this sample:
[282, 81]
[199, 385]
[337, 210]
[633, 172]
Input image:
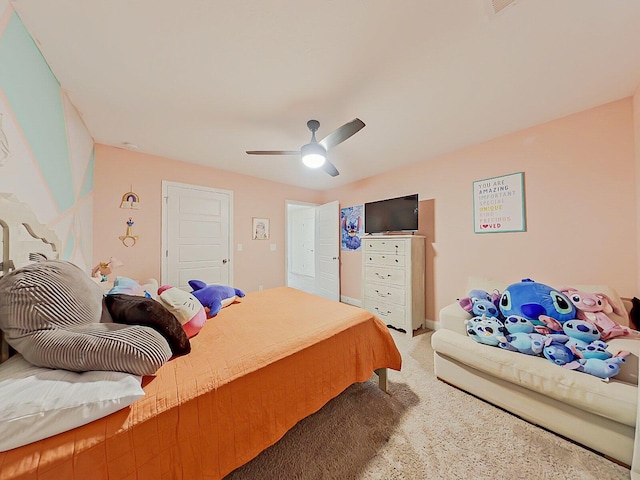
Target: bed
[256, 369]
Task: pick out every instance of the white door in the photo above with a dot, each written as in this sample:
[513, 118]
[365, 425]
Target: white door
[327, 249]
[196, 235]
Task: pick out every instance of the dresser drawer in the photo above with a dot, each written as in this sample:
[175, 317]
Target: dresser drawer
[391, 260]
[384, 245]
[390, 314]
[387, 293]
[384, 275]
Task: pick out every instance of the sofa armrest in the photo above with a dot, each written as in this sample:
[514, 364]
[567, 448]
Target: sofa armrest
[452, 317]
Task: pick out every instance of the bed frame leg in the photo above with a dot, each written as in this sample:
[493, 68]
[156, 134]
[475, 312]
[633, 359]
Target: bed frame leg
[382, 379]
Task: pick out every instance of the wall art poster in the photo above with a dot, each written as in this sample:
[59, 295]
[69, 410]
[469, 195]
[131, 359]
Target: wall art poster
[260, 228]
[498, 204]
[351, 227]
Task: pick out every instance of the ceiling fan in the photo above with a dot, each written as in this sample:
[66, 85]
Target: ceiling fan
[314, 153]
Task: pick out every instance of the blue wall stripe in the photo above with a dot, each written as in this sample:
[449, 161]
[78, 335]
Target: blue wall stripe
[34, 95]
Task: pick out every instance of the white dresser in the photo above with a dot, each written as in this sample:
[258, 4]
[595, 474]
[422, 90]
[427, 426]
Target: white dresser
[393, 289]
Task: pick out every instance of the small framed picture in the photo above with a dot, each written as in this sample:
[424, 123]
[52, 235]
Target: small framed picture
[260, 228]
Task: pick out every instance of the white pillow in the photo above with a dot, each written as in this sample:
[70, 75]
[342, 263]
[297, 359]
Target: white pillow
[36, 403]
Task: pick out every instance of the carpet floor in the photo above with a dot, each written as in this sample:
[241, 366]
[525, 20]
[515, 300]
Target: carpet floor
[422, 429]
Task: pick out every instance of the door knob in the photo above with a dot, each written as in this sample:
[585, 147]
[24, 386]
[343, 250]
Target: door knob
[224, 260]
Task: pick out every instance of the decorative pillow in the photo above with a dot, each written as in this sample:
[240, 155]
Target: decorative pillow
[40, 402]
[186, 308]
[133, 310]
[50, 313]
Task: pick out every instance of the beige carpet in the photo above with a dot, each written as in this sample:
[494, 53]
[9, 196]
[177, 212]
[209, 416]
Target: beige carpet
[424, 429]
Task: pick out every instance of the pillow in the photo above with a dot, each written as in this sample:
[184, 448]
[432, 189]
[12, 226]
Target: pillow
[50, 312]
[39, 402]
[133, 310]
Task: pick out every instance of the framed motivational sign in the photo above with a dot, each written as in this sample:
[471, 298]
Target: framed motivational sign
[498, 204]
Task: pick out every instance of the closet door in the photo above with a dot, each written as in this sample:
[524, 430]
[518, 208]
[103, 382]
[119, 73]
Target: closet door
[196, 235]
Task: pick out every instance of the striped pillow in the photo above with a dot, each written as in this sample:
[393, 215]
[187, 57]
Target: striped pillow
[51, 313]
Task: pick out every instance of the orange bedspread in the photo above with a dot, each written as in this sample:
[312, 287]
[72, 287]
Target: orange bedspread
[255, 370]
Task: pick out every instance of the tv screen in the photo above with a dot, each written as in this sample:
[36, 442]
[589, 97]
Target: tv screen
[392, 215]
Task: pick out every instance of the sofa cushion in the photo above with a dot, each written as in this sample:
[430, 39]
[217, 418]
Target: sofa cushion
[615, 400]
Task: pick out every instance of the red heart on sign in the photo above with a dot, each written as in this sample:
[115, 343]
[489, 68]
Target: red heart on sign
[484, 226]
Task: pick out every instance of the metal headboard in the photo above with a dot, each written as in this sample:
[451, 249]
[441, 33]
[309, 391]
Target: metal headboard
[22, 240]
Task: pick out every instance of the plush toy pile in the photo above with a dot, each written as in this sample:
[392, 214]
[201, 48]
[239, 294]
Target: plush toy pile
[192, 309]
[566, 326]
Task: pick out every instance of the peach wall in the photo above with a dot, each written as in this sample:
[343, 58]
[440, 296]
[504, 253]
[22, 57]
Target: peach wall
[580, 184]
[118, 170]
[636, 128]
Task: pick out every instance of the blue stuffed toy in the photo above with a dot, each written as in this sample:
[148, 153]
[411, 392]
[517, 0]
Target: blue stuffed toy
[485, 330]
[596, 349]
[581, 333]
[214, 297]
[558, 352]
[604, 369]
[527, 343]
[480, 302]
[544, 306]
[516, 324]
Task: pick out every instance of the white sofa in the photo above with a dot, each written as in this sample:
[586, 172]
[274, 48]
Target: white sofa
[576, 405]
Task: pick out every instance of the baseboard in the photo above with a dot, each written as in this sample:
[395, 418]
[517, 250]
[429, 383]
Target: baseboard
[351, 301]
[431, 324]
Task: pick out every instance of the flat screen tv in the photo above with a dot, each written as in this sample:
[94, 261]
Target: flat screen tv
[392, 215]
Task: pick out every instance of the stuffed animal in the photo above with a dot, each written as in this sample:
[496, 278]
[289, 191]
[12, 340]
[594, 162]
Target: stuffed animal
[214, 297]
[596, 349]
[128, 286]
[604, 369]
[480, 302]
[581, 333]
[527, 343]
[558, 352]
[185, 307]
[516, 324]
[594, 307]
[485, 329]
[544, 306]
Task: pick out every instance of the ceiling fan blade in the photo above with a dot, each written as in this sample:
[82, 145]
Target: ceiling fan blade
[341, 134]
[328, 167]
[273, 152]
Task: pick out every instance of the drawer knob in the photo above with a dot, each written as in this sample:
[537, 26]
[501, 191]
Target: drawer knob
[380, 294]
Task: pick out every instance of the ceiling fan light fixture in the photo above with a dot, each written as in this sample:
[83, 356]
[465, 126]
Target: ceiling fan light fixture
[313, 155]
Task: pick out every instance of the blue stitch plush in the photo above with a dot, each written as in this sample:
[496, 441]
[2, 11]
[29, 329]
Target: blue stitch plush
[480, 302]
[546, 307]
[214, 297]
[485, 329]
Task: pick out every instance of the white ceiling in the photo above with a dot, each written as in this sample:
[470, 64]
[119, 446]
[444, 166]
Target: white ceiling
[205, 80]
